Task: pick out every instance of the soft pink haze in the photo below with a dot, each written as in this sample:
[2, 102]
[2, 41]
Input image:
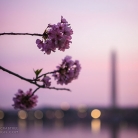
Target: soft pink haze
[99, 26]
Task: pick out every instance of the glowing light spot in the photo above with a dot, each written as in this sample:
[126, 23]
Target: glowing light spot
[95, 113]
[95, 125]
[22, 114]
[59, 114]
[82, 108]
[65, 106]
[38, 114]
[1, 114]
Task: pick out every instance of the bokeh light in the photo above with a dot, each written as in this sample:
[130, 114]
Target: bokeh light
[82, 108]
[65, 106]
[59, 114]
[22, 114]
[95, 113]
[82, 111]
[38, 114]
[1, 114]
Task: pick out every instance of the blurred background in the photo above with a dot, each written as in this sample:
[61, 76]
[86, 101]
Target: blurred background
[103, 101]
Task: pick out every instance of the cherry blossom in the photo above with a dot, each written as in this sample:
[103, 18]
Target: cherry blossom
[24, 100]
[46, 81]
[68, 70]
[56, 36]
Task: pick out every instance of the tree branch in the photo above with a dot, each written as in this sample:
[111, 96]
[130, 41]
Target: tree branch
[10, 72]
[32, 81]
[21, 34]
[58, 88]
[47, 73]
[34, 91]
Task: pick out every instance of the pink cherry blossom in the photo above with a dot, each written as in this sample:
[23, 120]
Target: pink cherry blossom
[39, 43]
[46, 81]
[68, 70]
[56, 36]
[24, 100]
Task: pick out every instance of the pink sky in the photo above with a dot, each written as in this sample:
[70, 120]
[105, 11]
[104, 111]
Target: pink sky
[99, 27]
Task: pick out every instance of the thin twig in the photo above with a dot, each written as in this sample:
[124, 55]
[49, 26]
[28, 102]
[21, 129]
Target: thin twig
[58, 88]
[35, 34]
[34, 91]
[47, 73]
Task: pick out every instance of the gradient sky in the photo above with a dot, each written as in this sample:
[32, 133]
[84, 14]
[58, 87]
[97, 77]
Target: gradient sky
[99, 26]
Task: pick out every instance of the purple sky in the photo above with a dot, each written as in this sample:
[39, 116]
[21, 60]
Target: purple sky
[99, 26]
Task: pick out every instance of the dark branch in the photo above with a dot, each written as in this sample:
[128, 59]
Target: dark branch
[59, 88]
[32, 81]
[21, 34]
[47, 73]
[34, 91]
[10, 72]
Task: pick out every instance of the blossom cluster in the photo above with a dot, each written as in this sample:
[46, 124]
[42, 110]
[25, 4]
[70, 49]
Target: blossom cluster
[56, 36]
[68, 70]
[24, 100]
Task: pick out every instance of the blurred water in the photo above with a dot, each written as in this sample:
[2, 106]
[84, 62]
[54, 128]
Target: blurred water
[61, 129]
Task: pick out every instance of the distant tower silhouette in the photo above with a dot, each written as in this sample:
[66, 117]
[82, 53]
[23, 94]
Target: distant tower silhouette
[113, 79]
